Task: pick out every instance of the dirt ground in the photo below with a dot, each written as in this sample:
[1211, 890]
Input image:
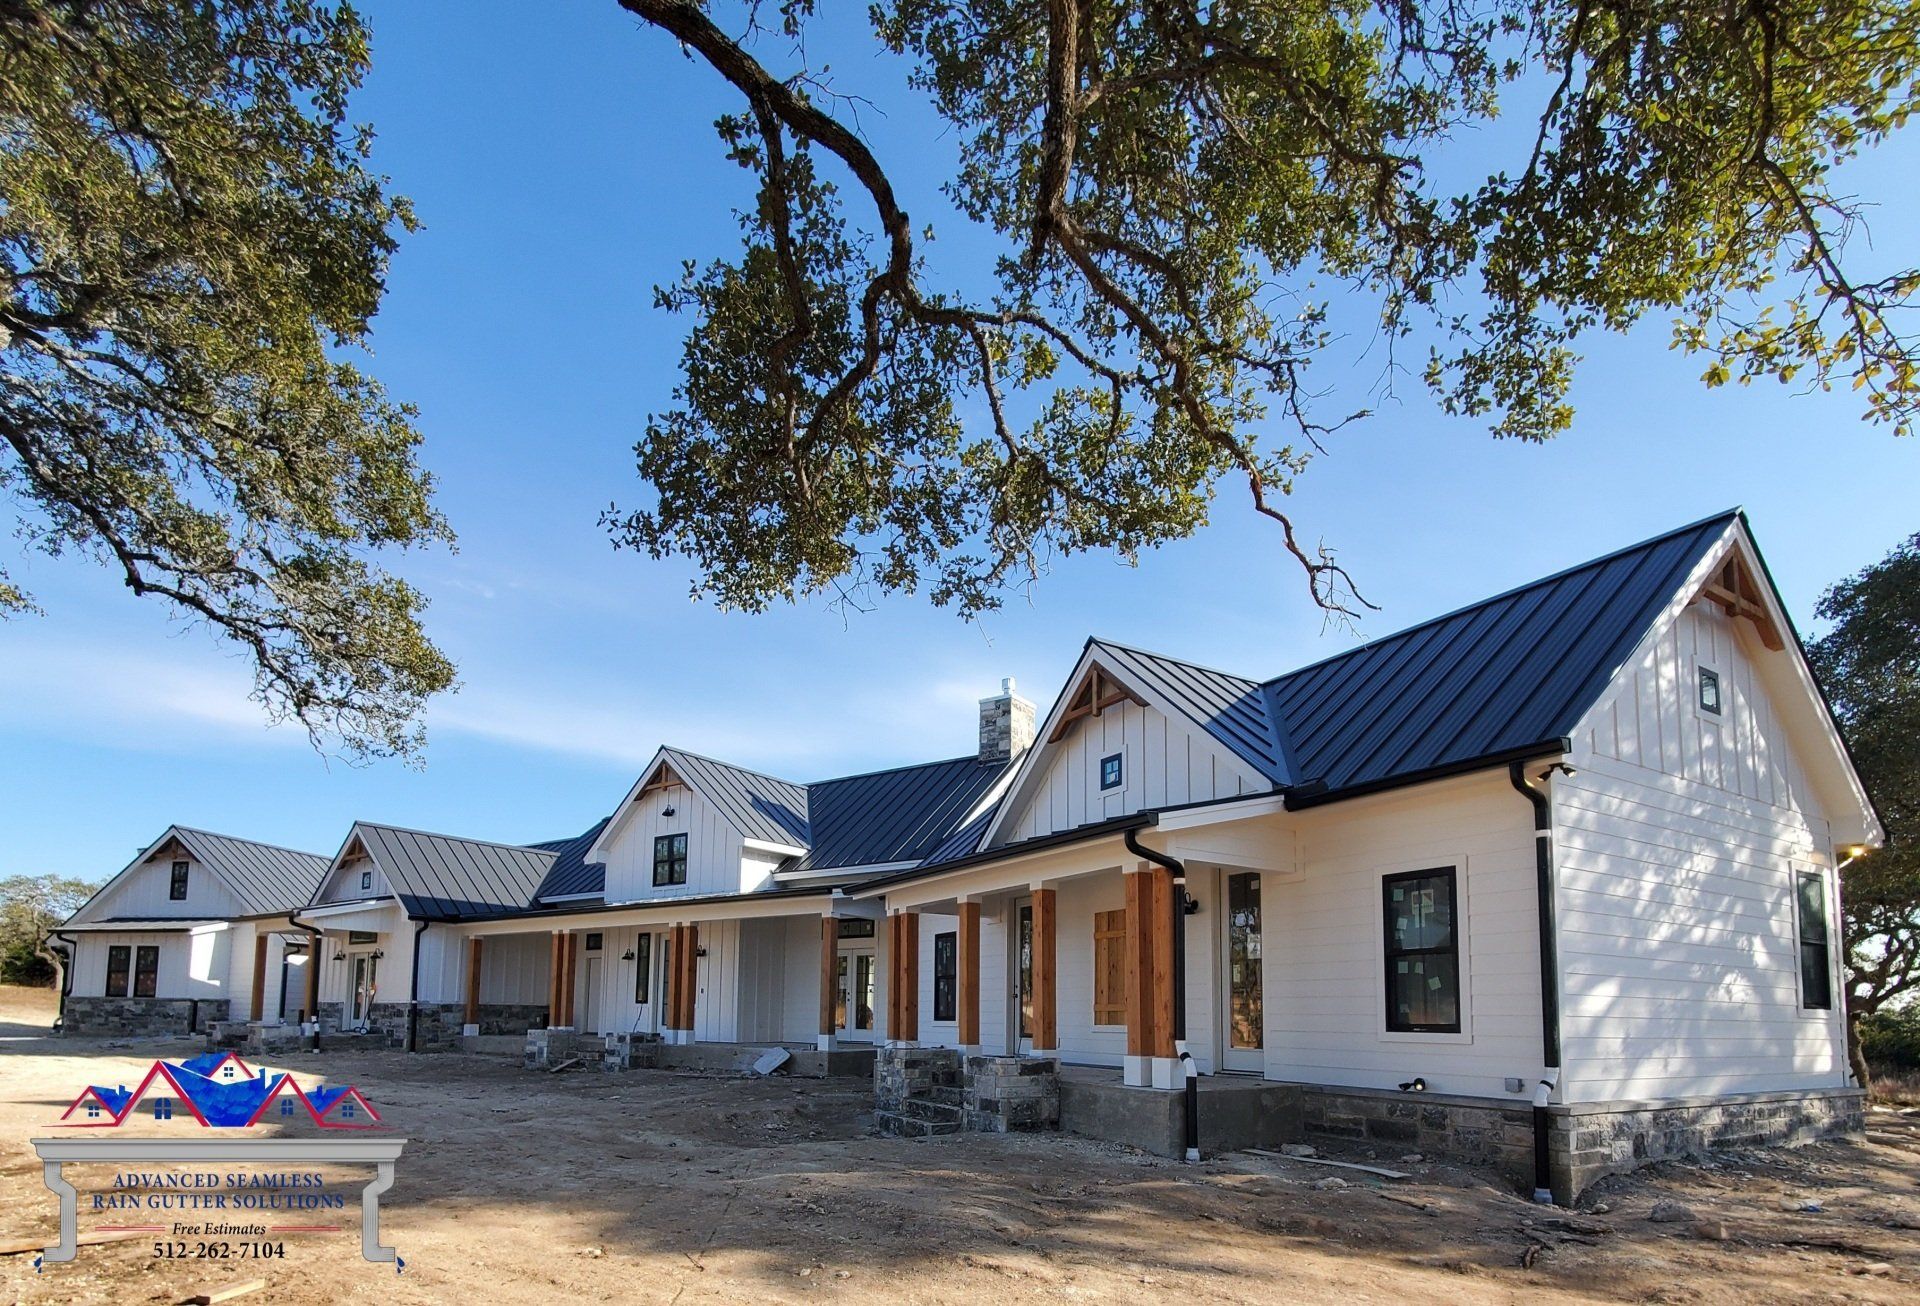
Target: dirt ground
[657, 1186]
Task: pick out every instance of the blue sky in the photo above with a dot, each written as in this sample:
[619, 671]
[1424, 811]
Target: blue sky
[565, 165]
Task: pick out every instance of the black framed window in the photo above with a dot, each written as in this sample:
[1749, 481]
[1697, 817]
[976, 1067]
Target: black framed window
[946, 975]
[1816, 943]
[856, 927]
[594, 940]
[1110, 772]
[1709, 691]
[363, 936]
[119, 960]
[1423, 952]
[146, 971]
[642, 968]
[366, 880]
[177, 884]
[670, 859]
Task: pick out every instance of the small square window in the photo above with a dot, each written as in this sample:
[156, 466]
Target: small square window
[163, 1108]
[93, 1110]
[593, 941]
[286, 1106]
[177, 886]
[1709, 691]
[1110, 774]
[366, 880]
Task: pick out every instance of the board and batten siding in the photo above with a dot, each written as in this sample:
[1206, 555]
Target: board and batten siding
[714, 847]
[1164, 763]
[142, 894]
[1324, 943]
[1677, 843]
[344, 884]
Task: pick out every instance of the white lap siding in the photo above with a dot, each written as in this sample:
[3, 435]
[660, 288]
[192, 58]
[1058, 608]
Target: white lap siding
[1678, 842]
[1324, 941]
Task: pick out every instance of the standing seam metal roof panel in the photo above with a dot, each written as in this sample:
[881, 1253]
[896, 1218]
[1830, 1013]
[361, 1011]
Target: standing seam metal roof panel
[440, 876]
[896, 815]
[268, 879]
[763, 807]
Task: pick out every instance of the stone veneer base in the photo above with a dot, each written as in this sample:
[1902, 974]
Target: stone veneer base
[141, 1017]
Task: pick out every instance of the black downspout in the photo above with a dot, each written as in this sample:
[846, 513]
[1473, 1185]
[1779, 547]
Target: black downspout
[413, 996]
[312, 1010]
[1189, 1070]
[71, 952]
[1549, 980]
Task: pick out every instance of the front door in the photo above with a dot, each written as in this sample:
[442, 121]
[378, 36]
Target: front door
[854, 976]
[1020, 982]
[1244, 1032]
[365, 966]
[590, 999]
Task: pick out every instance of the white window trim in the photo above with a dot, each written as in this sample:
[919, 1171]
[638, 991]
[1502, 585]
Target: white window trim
[1463, 935]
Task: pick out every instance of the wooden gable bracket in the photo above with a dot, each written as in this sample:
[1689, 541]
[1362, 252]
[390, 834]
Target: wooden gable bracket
[1733, 587]
[1098, 692]
[663, 778]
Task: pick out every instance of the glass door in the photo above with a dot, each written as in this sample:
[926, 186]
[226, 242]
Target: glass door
[1245, 1025]
[1022, 986]
[365, 965]
[854, 993]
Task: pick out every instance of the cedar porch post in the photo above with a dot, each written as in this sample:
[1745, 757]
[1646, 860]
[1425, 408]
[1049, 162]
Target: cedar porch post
[1046, 981]
[1137, 1069]
[967, 977]
[904, 993]
[473, 983]
[567, 941]
[829, 976]
[259, 1007]
[1159, 909]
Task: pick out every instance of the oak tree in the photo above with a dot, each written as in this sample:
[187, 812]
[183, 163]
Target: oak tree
[1177, 189]
[1869, 665]
[191, 246]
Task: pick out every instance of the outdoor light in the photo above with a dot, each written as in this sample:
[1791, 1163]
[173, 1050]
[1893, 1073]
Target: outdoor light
[700, 951]
[340, 956]
[377, 954]
[627, 955]
[666, 811]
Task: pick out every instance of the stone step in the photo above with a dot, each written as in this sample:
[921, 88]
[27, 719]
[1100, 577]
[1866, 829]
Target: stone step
[905, 1126]
[951, 1094]
[920, 1108]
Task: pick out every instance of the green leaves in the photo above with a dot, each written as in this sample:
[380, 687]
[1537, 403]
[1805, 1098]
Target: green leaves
[1178, 190]
[189, 237]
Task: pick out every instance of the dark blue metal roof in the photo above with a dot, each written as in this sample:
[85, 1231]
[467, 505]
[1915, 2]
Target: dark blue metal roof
[1511, 671]
[443, 877]
[571, 873]
[892, 816]
[1491, 679]
[1231, 708]
[760, 806]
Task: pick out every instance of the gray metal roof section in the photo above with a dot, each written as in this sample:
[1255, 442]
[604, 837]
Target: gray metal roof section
[441, 877]
[571, 873]
[892, 816]
[1500, 675]
[269, 880]
[760, 806]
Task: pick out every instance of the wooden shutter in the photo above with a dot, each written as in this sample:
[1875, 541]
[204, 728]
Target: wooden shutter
[1110, 967]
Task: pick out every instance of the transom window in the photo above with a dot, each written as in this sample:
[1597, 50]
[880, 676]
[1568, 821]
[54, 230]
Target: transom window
[177, 884]
[670, 859]
[1816, 960]
[593, 941]
[1710, 690]
[1422, 952]
[1110, 771]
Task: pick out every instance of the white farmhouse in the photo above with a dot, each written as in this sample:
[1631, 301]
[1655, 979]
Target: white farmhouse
[1549, 883]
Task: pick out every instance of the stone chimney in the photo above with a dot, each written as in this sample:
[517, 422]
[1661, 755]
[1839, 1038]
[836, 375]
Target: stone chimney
[1006, 725]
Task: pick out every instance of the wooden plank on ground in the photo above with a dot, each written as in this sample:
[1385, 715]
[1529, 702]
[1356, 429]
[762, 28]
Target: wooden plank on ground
[1380, 1170]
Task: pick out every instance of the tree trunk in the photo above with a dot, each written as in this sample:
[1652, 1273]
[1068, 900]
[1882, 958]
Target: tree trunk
[1856, 1058]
